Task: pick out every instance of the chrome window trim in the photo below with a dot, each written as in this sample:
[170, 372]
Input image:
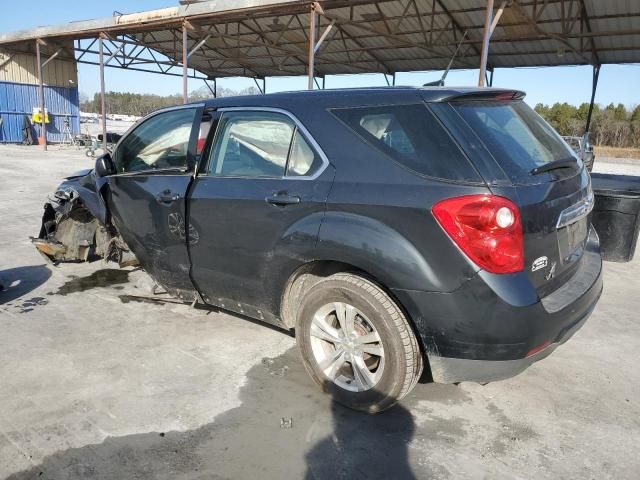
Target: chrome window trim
[312, 141]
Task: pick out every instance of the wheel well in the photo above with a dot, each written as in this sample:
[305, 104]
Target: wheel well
[302, 280]
[310, 273]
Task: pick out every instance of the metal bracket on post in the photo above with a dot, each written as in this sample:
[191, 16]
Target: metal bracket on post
[499, 13]
[261, 90]
[212, 90]
[113, 55]
[46, 62]
[324, 36]
[198, 45]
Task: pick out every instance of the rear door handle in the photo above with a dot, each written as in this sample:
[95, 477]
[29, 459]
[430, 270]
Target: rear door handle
[282, 200]
[167, 197]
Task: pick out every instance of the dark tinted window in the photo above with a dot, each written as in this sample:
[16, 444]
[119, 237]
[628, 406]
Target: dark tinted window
[412, 136]
[160, 142]
[517, 137]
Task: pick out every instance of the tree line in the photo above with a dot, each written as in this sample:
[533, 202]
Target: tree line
[612, 126]
[121, 103]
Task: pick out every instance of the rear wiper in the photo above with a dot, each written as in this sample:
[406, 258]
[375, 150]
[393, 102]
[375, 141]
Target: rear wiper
[555, 165]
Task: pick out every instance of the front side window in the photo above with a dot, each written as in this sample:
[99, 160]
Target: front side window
[412, 136]
[160, 142]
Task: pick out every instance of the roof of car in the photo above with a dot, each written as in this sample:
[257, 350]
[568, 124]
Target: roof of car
[364, 95]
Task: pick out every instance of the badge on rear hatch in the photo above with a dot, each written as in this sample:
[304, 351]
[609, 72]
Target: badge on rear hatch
[538, 263]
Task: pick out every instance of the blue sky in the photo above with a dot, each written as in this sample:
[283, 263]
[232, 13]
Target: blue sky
[618, 83]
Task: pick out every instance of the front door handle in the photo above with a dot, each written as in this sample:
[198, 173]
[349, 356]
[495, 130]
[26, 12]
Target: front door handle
[282, 199]
[167, 197]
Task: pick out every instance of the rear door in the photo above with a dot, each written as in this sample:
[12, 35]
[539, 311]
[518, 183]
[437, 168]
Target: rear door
[257, 208]
[146, 198]
[554, 202]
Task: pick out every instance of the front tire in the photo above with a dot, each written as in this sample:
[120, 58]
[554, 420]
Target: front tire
[356, 343]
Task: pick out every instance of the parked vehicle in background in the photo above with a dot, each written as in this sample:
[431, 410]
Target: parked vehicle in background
[392, 228]
[583, 149]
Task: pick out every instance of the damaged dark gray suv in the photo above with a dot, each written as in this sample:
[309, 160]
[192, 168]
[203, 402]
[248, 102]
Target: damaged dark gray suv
[393, 229]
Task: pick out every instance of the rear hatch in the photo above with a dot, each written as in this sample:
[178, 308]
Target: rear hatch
[543, 177]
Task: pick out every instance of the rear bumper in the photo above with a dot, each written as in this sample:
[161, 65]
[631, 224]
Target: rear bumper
[455, 370]
[495, 326]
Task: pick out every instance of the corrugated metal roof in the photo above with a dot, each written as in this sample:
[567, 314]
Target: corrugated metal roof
[270, 37]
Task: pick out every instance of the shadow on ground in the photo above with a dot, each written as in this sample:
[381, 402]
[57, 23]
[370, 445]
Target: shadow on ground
[19, 281]
[285, 428]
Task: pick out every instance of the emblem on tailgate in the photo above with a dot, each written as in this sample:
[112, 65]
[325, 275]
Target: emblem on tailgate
[538, 263]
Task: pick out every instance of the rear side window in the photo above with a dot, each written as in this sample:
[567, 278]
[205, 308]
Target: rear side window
[261, 144]
[302, 159]
[252, 144]
[413, 137]
[518, 138]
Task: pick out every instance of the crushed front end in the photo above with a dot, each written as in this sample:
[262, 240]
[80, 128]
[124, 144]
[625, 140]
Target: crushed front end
[74, 226]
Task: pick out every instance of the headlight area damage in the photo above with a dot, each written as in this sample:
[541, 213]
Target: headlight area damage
[75, 229]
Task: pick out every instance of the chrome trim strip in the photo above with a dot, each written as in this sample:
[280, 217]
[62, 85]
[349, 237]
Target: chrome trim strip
[299, 126]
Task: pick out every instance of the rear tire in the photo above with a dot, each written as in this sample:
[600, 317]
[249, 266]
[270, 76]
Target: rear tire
[356, 343]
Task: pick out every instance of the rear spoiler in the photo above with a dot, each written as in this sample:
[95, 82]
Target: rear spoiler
[479, 94]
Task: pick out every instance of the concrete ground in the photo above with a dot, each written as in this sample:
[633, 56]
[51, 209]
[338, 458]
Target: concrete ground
[96, 382]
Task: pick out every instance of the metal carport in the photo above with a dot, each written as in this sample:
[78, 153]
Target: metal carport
[267, 38]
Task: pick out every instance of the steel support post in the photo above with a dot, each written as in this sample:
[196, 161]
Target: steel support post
[594, 86]
[312, 46]
[43, 124]
[185, 65]
[103, 105]
[486, 36]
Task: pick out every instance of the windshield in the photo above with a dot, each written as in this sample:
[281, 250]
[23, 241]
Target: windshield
[518, 138]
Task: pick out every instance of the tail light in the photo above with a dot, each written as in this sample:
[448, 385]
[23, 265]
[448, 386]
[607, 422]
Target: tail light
[487, 229]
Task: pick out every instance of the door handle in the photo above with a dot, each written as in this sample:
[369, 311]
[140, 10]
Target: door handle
[167, 197]
[282, 199]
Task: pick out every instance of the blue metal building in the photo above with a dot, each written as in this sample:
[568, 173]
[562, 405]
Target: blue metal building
[19, 96]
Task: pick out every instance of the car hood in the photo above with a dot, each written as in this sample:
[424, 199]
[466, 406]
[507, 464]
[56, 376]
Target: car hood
[80, 173]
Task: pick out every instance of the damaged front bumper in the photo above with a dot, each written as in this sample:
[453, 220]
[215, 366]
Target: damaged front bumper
[70, 232]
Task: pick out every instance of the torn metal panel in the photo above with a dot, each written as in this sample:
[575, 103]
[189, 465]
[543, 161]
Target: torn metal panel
[74, 227]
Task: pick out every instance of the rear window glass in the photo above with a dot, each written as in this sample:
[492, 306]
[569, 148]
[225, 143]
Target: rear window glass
[413, 137]
[518, 138]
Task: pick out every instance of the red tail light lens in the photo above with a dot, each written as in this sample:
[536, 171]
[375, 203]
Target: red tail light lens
[487, 228]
